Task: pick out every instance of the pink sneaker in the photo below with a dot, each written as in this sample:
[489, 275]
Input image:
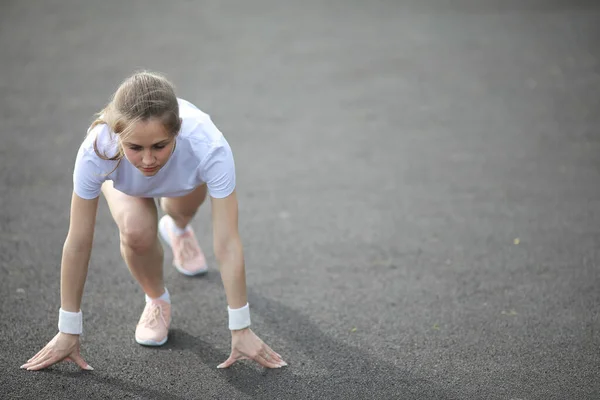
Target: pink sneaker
[188, 257]
[153, 327]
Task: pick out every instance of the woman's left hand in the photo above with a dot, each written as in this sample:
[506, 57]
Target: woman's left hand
[246, 345]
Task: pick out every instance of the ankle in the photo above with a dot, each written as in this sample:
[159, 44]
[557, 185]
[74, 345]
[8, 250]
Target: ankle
[179, 231]
[179, 226]
[164, 297]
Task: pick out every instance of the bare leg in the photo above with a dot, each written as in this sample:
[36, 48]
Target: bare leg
[137, 220]
[182, 209]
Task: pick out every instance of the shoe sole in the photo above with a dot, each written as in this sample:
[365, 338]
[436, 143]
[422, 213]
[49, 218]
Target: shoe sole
[151, 342]
[164, 233]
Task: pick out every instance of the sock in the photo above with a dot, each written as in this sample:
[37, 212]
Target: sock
[165, 297]
[177, 230]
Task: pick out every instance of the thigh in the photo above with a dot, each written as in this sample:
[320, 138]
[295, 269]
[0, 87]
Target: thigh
[185, 205]
[131, 214]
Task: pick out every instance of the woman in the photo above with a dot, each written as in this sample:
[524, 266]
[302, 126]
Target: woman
[148, 144]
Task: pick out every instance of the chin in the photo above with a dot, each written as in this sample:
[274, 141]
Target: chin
[149, 173]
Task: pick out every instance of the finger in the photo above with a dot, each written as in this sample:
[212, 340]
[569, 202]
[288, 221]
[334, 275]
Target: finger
[37, 354]
[77, 359]
[271, 355]
[266, 363]
[44, 363]
[276, 357]
[34, 360]
[270, 352]
[227, 363]
[47, 363]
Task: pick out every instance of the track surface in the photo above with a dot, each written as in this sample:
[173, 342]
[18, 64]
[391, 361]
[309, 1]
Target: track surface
[389, 154]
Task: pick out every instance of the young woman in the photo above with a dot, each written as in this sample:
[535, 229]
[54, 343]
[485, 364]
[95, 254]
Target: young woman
[149, 144]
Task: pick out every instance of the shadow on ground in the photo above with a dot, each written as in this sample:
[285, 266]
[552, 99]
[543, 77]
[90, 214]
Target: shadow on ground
[351, 372]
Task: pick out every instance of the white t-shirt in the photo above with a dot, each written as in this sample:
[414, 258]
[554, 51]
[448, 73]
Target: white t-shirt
[202, 155]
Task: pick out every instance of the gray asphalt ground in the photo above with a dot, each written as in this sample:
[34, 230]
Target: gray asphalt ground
[418, 183]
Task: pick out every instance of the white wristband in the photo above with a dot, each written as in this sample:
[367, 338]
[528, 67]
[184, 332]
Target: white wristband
[239, 318]
[70, 322]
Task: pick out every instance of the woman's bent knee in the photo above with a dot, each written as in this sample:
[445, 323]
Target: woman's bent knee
[137, 236]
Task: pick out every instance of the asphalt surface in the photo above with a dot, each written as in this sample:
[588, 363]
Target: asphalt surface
[418, 183]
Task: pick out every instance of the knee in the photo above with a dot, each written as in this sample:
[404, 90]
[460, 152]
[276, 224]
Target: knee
[185, 207]
[177, 213]
[137, 236]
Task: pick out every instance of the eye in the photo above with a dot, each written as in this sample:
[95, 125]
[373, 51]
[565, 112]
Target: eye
[135, 148]
[160, 146]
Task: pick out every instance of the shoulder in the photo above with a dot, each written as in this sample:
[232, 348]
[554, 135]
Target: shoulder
[99, 137]
[198, 128]
[90, 170]
[191, 116]
[99, 140]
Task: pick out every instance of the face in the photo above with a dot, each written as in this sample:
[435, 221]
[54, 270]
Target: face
[149, 146]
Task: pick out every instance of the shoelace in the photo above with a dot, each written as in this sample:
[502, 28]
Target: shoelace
[153, 316]
[186, 249]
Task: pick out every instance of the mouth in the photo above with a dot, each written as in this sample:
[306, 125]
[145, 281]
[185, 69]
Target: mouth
[149, 169]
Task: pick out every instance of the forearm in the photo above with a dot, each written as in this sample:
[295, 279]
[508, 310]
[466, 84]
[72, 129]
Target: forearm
[74, 267]
[233, 273]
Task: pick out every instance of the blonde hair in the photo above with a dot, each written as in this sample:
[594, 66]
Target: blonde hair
[142, 96]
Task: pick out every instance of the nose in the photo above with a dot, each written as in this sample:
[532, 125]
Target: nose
[148, 158]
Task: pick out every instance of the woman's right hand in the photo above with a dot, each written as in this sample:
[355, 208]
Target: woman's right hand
[62, 347]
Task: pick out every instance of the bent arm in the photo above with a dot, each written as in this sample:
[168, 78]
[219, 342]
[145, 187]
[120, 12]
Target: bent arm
[228, 249]
[76, 252]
